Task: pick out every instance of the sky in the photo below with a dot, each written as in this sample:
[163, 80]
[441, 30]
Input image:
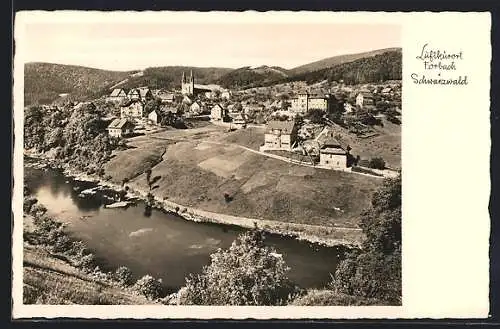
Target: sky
[135, 46]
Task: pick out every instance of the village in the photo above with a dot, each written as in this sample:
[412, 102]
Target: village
[314, 125]
[235, 172]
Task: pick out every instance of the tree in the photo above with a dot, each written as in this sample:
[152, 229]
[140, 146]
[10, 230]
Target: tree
[315, 115]
[124, 275]
[152, 105]
[248, 273]
[149, 287]
[377, 163]
[375, 270]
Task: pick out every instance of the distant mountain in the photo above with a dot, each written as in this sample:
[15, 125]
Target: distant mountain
[169, 77]
[247, 77]
[381, 67]
[336, 60]
[43, 82]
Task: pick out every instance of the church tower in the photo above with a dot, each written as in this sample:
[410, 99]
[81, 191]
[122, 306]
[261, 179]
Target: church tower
[187, 84]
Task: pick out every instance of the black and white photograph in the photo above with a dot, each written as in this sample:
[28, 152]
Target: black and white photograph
[186, 162]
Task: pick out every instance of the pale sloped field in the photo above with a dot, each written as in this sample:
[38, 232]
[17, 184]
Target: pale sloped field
[197, 173]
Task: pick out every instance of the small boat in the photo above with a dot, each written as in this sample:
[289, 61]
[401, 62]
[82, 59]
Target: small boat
[121, 204]
[90, 191]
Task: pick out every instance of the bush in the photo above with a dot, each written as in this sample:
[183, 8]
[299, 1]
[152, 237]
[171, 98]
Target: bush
[365, 171]
[248, 273]
[124, 275]
[87, 262]
[328, 297]
[29, 202]
[377, 163]
[375, 270]
[38, 210]
[62, 243]
[149, 287]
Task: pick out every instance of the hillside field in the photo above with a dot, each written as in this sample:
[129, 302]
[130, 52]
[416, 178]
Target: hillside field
[200, 165]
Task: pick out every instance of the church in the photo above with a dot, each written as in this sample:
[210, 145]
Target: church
[189, 88]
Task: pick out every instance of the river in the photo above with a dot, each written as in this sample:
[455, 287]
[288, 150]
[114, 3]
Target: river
[162, 244]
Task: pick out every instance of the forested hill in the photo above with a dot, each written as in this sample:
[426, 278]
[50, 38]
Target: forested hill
[250, 77]
[337, 60]
[43, 82]
[170, 76]
[386, 66]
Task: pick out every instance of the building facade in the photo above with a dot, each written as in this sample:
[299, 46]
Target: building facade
[132, 109]
[280, 135]
[305, 102]
[154, 117]
[187, 84]
[364, 99]
[333, 155]
[117, 95]
[120, 128]
[218, 113]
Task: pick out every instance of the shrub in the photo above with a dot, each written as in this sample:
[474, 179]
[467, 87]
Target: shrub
[77, 248]
[375, 270]
[38, 210]
[248, 273]
[326, 297]
[87, 262]
[124, 275]
[29, 202]
[149, 287]
[377, 163]
[227, 197]
[62, 243]
[365, 171]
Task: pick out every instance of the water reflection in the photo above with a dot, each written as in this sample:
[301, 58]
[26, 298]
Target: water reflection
[154, 242]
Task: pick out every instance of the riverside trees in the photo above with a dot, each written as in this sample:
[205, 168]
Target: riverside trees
[375, 270]
[77, 137]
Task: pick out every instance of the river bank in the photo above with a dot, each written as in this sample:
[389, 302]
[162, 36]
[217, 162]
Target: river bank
[326, 236]
[58, 269]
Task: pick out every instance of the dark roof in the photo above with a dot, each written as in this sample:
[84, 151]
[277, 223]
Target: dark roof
[333, 150]
[120, 123]
[130, 102]
[286, 127]
[331, 142]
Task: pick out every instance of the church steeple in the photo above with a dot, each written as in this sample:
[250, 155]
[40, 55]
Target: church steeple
[183, 77]
[191, 78]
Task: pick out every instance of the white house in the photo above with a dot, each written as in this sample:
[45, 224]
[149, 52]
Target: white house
[154, 117]
[348, 107]
[364, 99]
[333, 155]
[226, 94]
[132, 109]
[117, 95]
[195, 108]
[218, 113]
[280, 135]
[120, 127]
[239, 119]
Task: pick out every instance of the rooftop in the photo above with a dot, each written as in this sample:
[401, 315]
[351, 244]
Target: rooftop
[119, 123]
[286, 127]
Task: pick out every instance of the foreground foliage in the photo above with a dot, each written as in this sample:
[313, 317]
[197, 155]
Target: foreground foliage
[76, 137]
[375, 270]
[248, 273]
